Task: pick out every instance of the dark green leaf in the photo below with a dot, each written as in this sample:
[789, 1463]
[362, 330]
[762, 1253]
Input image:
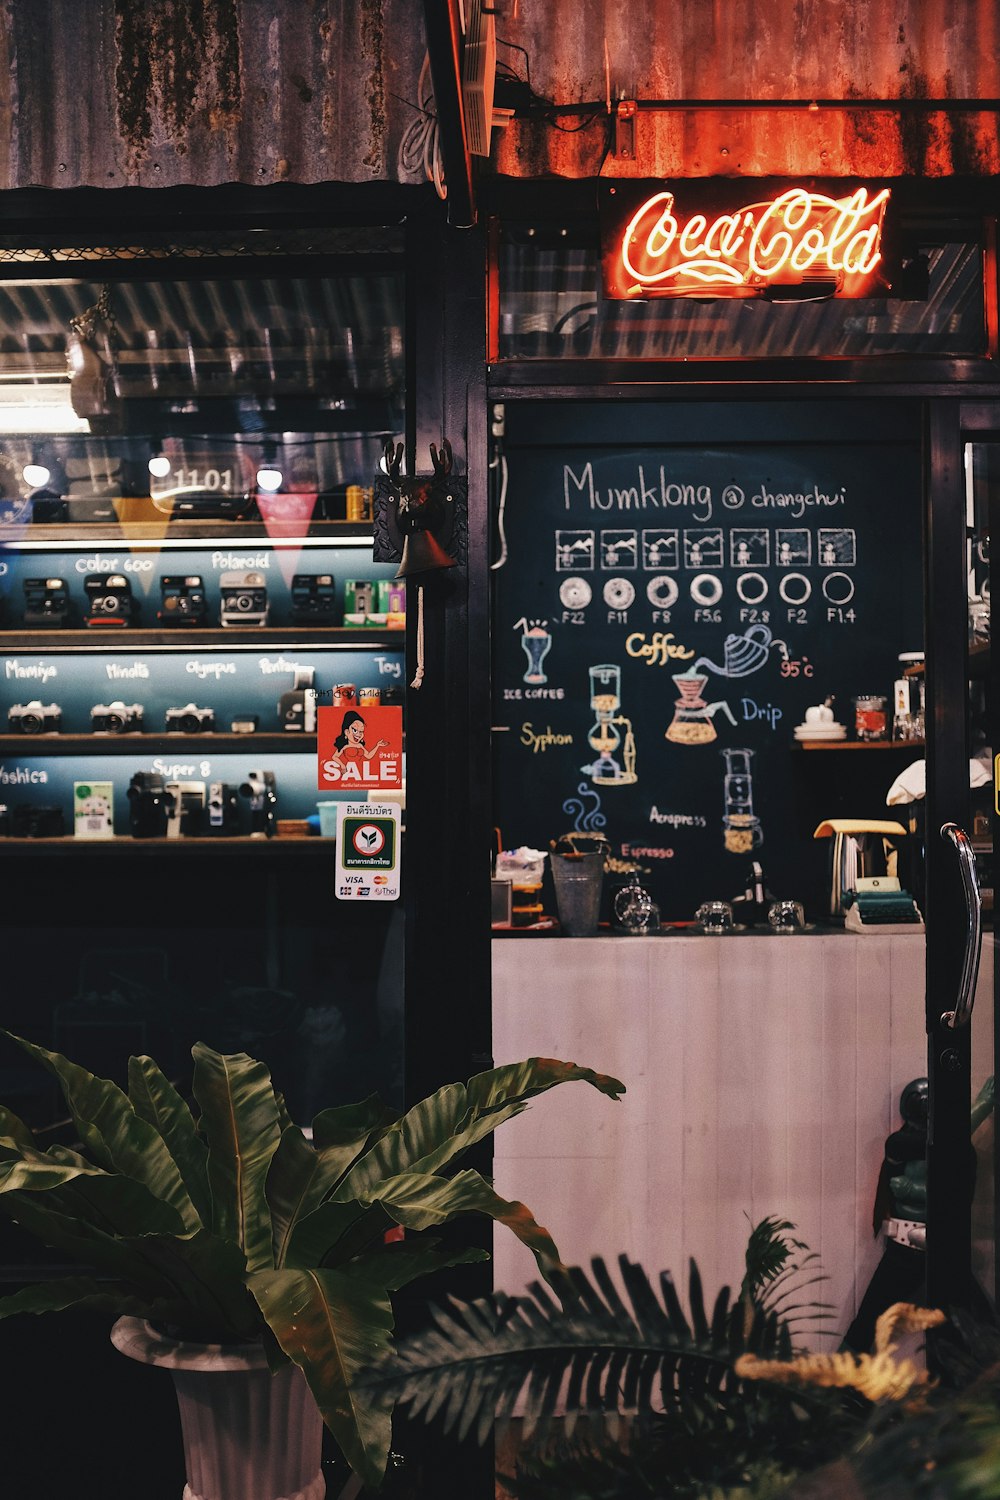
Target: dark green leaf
[156, 1101]
[396, 1265]
[113, 1133]
[298, 1180]
[82, 1292]
[208, 1275]
[71, 1233]
[239, 1117]
[442, 1127]
[350, 1124]
[115, 1205]
[421, 1200]
[335, 1327]
[318, 1238]
[13, 1129]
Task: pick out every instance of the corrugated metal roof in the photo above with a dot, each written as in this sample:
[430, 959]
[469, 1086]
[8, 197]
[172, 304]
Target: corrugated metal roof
[157, 93]
[702, 50]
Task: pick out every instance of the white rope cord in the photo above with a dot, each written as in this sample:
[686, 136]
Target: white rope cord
[418, 675]
[500, 462]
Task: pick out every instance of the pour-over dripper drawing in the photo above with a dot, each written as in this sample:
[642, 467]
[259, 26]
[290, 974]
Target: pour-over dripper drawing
[692, 721]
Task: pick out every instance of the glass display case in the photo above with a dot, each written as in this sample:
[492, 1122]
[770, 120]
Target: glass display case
[188, 443]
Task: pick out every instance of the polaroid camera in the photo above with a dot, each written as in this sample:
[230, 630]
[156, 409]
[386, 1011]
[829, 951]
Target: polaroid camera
[110, 600]
[46, 602]
[314, 599]
[182, 601]
[244, 599]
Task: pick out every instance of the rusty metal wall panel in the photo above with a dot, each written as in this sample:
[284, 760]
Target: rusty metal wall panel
[738, 50]
[158, 93]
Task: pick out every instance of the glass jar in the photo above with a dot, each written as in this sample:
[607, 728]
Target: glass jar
[908, 699]
[870, 721]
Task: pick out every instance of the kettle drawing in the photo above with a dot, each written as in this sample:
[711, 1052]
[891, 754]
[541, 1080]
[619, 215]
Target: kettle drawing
[743, 654]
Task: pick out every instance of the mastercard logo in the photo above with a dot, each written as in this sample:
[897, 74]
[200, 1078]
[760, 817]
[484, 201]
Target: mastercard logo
[380, 880]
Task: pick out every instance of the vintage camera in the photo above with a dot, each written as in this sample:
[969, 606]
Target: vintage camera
[190, 720]
[46, 602]
[223, 811]
[260, 788]
[109, 600]
[186, 812]
[314, 599]
[34, 822]
[297, 708]
[116, 718]
[244, 599]
[34, 718]
[182, 600]
[149, 805]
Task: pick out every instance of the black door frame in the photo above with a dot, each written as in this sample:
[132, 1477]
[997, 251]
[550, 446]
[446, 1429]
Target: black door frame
[949, 1161]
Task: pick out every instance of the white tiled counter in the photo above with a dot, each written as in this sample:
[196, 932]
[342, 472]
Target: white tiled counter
[763, 1075]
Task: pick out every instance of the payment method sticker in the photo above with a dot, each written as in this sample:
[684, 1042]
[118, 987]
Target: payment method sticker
[367, 851]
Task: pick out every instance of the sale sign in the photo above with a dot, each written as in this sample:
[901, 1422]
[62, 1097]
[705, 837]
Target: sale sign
[360, 748]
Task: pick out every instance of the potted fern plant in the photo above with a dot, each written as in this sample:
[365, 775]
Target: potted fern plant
[232, 1241]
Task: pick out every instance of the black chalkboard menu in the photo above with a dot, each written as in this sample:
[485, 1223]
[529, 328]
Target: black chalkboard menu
[676, 585]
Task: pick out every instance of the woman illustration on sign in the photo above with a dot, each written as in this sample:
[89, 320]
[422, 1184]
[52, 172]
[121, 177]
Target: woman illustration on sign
[349, 746]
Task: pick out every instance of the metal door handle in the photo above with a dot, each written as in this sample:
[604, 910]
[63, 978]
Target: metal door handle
[959, 839]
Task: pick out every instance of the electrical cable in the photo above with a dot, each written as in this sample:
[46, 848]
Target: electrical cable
[500, 462]
[420, 148]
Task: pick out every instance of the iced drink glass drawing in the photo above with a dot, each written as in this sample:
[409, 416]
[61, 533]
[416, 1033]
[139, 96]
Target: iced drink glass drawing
[536, 643]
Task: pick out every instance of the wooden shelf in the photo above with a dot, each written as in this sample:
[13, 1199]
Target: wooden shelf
[312, 847]
[223, 743]
[74, 535]
[910, 745]
[136, 638]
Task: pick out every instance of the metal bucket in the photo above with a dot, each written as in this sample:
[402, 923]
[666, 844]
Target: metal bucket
[578, 880]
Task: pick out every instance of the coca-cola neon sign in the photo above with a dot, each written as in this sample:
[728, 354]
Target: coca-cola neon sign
[799, 237]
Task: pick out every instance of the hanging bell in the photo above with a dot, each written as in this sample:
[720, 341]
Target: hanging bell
[422, 553]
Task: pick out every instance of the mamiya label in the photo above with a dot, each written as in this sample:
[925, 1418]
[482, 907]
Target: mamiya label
[33, 671]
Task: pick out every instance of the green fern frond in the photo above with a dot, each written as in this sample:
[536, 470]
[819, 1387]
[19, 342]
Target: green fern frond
[597, 1350]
